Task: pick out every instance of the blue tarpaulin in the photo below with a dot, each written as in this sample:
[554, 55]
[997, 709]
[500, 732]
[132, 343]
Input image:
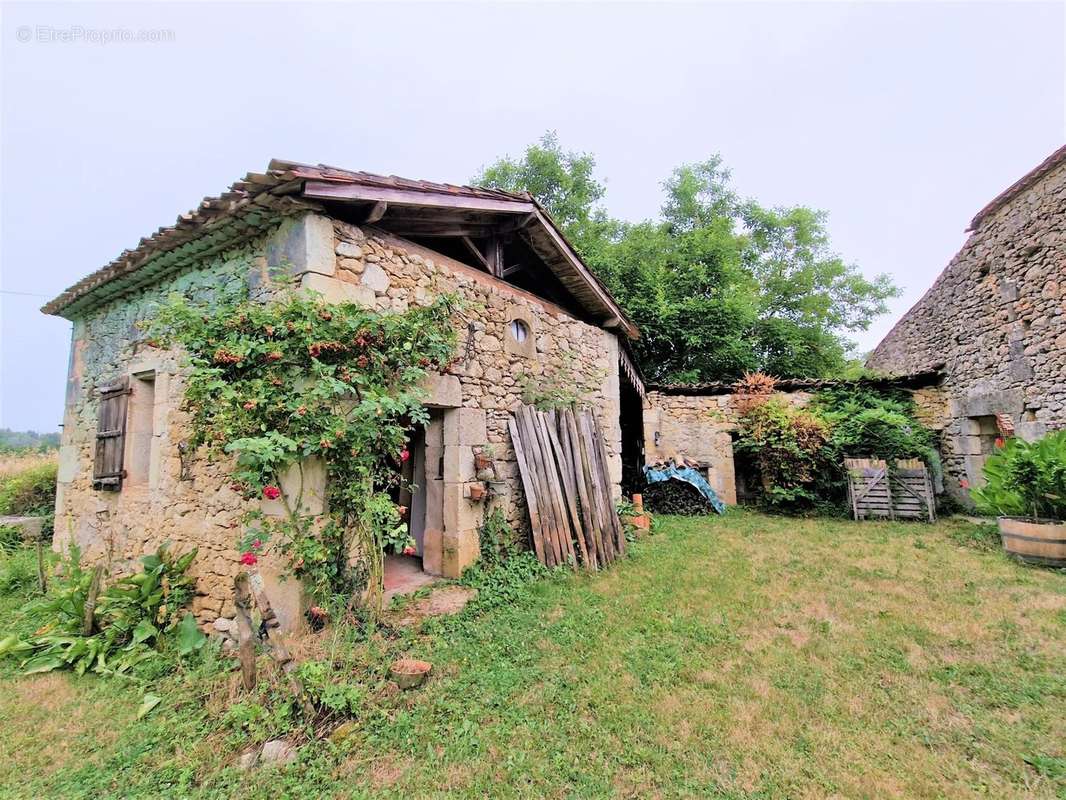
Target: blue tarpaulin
[688, 475]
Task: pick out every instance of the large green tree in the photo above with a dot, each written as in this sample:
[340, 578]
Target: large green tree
[717, 284]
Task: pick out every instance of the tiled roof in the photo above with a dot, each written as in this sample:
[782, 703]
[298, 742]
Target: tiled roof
[916, 380]
[258, 200]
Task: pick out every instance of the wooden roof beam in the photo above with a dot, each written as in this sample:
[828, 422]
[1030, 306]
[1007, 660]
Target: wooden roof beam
[326, 190]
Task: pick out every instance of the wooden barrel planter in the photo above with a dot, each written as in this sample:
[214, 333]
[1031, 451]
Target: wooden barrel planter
[1035, 541]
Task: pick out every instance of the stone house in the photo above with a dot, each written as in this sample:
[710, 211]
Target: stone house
[995, 319]
[535, 316]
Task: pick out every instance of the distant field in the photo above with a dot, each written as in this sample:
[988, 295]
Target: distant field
[12, 464]
[745, 656]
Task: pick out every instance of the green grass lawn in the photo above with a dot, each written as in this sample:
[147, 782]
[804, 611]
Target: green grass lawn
[740, 657]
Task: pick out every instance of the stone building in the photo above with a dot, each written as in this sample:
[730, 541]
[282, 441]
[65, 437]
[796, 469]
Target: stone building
[535, 315]
[996, 320]
[698, 421]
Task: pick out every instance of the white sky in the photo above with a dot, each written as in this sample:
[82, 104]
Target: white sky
[901, 120]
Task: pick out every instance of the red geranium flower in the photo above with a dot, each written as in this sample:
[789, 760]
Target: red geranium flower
[271, 492]
[999, 441]
[404, 454]
[409, 551]
[249, 558]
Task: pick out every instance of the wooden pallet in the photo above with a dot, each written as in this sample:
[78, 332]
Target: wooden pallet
[563, 463]
[875, 491]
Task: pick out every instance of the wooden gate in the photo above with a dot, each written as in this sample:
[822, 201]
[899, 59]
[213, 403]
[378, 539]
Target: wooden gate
[874, 491]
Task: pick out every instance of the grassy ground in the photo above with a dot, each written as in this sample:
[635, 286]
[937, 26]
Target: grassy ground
[739, 657]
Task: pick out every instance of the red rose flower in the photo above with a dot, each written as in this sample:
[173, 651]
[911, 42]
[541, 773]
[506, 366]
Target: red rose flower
[249, 559]
[271, 492]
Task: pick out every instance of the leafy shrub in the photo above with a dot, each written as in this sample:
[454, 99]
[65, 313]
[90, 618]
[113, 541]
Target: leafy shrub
[18, 571]
[752, 390]
[30, 492]
[788, 448]
[869, 424]
[504, 571]
[1026, 479]
[130, 614]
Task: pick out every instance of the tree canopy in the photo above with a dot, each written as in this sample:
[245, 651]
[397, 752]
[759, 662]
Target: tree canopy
[717, 284]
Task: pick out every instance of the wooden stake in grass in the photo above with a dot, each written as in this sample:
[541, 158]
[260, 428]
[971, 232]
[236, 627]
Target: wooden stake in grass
[242, 601]
[90, 600]
[42, 581]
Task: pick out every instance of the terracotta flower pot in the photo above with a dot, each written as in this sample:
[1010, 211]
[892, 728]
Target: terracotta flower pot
[410, 673]
[1037, 541]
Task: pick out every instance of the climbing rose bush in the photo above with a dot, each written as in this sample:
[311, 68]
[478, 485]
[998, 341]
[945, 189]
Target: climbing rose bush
[272, 385]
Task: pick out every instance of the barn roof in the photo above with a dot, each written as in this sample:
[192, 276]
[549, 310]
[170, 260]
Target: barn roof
[403, 206]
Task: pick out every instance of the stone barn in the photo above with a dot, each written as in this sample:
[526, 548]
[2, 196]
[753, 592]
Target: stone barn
[536, 315]
[996, 319]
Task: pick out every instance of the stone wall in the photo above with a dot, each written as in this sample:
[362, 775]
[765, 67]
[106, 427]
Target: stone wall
[117, 528]
[997, 317]
[698, 427]
[342, 262]
[385, 272]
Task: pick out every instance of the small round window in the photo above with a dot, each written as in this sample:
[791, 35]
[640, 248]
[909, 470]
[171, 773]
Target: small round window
[519, 330]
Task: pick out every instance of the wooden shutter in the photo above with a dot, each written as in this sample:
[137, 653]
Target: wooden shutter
[111, 436]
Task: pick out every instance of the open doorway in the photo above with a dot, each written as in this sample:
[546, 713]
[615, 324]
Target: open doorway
[420, 493]
[631, 422]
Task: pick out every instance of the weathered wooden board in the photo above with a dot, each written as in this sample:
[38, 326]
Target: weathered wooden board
[875, 491]
[562, 460]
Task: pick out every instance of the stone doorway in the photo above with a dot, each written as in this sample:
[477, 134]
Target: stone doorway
[423, 496]
[980, 442]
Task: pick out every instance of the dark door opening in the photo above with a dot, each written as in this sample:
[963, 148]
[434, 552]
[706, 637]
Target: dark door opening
[631, 421]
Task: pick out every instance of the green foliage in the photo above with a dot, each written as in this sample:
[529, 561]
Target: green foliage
[31, 492]
[718, 285]
[798, 453]
[16, 441]
[329, 690]
[18, 570]
[1026, 479]
[130, 619]
[276, 384]
[789, 448]
[870, 424]
[504, 571]
[10, 538]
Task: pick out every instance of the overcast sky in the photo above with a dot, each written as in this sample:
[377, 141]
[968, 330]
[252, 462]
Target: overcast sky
[900, 120]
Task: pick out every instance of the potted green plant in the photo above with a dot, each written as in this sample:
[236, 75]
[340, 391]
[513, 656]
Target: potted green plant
[1025, 486]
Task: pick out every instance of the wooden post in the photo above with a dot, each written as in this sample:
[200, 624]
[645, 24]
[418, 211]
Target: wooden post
[242, 601]
[90, 600]
[42, 581]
